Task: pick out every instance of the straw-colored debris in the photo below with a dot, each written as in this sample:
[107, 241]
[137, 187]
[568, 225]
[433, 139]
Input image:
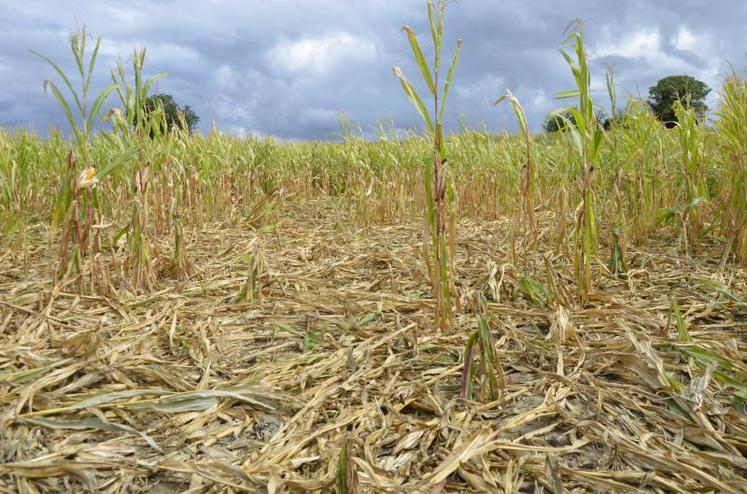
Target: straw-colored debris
[190, 388]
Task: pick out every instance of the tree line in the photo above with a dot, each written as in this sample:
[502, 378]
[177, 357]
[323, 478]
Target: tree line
[661, 99]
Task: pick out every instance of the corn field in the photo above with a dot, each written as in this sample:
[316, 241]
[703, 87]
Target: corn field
[466, 312]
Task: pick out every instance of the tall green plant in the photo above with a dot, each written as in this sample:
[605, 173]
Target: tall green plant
[76, 102]
[587, 137]
[440, 191]
[619, 229]
[639, 140]
[691, 145]
[732, 136]
[133, 96]
[86, 118]
[135, 126]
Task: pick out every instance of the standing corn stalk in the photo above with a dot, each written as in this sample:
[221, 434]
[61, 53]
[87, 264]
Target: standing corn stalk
[440, 191]
[691, 143]
[528, 179]
[67, 209]
[134, 126]
[81, 126]
[619, 230]
[732, 134]
[587, 138]
[639, 141]
[133, 96]
[489, 371]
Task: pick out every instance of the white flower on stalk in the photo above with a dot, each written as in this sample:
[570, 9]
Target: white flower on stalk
[87, 179]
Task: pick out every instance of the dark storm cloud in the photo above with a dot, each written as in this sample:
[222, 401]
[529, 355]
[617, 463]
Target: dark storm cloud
[287, 67]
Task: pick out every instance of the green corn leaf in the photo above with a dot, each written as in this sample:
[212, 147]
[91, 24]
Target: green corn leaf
[518, 111]
[440, 31]
[705, 357]
[310, 341]
[534, 290]
[577, 140]
[449, 76]
[569, 60]
[682, 332]
[152, 80]
[573, 34]
[435, 35]
[64, 78]
[569, 94]
[488, 355]
[344, 472]
[414, 99]
[113, 165]
[569, 125]
[579, 120]
[469, 354]
[422, 64]
[369, 318]
[738, 385]
[97, 103]
[596, 144]
[440, 143]
[66, 108]
[78, 47]
[92, 60]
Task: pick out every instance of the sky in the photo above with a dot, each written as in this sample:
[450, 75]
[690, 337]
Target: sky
[288, 68]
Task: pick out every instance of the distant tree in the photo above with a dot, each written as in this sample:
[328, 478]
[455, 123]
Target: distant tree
[554, 122]
[684, 88]
[175, 115]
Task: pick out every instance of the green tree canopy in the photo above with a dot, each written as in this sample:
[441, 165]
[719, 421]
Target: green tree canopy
[175, 115]
[684, 88]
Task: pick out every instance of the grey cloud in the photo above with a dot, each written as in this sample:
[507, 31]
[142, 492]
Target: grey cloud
[287, 67]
